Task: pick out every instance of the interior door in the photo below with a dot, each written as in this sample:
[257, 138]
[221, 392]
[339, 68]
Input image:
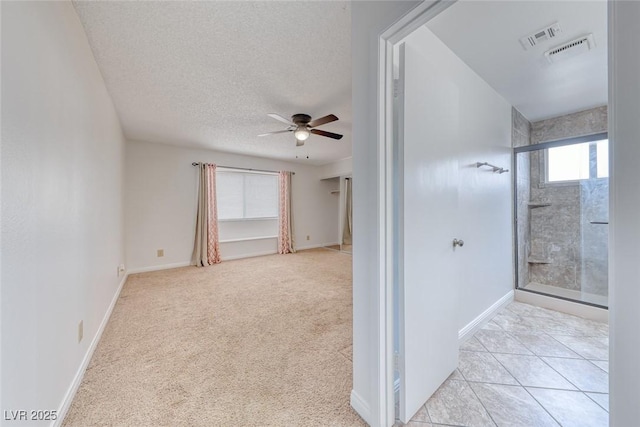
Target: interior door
[428, 281]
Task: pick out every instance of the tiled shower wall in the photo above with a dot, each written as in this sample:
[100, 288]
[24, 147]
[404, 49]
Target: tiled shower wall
[595, 237]
[561, 245]
[577, 124]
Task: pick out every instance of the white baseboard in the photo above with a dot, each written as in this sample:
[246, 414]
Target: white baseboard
[247, 239]
[188, 263]
[322, 245]
[574, 308]
[159, 267]
[250, 255]
[304, 248]
[360, 406]
[476, 324]
[77, 380]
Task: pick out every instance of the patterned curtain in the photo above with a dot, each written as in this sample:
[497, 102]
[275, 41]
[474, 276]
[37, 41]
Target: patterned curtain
[206, 249]
[285, 220]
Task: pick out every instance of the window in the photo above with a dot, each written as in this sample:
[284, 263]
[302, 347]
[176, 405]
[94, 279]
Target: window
[602, 156]
[568, 163]
[246, 195]
[578, 161]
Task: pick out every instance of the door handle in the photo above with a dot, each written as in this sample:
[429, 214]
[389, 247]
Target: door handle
[458, 242]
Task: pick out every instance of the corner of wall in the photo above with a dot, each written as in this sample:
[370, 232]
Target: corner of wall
[361, 407]
[77, 379]
[476, 324]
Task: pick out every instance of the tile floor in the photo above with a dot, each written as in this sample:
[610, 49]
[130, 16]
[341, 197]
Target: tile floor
[527, 367]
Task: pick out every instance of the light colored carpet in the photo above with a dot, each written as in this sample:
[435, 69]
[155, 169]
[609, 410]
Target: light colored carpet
[256, 342]
[345, 248]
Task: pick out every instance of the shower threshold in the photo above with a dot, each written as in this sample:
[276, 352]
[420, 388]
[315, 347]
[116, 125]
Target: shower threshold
[571, 294]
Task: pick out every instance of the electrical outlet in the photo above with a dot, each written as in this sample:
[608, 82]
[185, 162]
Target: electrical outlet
[120, 270]
[80, 330]
[160, 253]
[308, 237]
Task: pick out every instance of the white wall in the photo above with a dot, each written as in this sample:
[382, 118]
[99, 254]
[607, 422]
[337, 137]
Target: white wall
[62, 229]
[624, 237]
[369, 19]
[342, 167]
[483, 218]
[161, 197]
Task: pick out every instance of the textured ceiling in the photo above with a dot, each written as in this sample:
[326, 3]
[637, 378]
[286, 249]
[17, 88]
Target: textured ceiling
[205, 74]
[485, 35]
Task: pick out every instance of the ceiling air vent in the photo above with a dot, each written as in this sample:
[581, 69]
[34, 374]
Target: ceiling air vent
[570, 49]
[541, 35]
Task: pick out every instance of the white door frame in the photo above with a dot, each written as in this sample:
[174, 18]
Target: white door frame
[624, 410]
[413, 20]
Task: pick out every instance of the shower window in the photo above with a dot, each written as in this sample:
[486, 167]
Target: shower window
[602, 158]
[567, 163]
[561, 218]
[578, 161]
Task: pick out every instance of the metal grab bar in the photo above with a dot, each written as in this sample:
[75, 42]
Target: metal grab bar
[493, 167]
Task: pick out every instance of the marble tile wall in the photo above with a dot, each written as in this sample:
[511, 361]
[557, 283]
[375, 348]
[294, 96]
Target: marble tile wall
[594, 195]
[520, 129]
[555, 232]
[581, 123]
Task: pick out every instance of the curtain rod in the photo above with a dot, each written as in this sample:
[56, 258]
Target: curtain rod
[242, 169]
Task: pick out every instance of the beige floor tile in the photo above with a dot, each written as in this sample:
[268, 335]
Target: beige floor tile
[455, 403]
[602, 364]
[472, 344]
[601, 399]
[542, 344]
[581, 373]
[512, 406]
[571, 408]
[588, 347]
[501, 342]
[483, 367]
[532, 371]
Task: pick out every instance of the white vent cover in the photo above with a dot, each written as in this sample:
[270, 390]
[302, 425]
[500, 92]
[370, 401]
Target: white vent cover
[541, 35]
[570, 49]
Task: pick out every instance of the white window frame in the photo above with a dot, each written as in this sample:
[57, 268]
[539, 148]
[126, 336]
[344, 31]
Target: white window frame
[244, 173]
[543, 148]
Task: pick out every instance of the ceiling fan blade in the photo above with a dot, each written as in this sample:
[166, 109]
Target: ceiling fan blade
[325, 133]
[323, 120]
[281, 119]
[273, 133]
[299, 143]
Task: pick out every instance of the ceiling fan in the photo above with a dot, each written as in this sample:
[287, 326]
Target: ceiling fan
[302, 126]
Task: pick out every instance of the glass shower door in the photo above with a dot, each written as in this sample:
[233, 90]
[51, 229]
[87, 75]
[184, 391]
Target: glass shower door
[562, 211]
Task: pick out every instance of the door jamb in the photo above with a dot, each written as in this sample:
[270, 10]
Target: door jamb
[410, 22]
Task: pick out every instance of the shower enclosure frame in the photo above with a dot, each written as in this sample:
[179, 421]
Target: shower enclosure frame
[514, 167]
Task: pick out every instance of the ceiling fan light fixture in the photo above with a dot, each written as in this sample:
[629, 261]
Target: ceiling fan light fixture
[302, 126]
[302, 133]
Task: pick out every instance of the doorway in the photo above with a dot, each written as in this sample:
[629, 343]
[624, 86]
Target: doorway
[449, 172]
[346, 213]
[453, 211]
[342, 191]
